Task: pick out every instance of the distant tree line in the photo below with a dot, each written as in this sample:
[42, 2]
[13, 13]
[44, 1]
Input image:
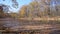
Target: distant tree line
[41, 8]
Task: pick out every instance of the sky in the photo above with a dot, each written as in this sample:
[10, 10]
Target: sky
[20, 2]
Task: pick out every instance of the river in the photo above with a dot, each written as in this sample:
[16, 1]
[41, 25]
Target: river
[16, 25]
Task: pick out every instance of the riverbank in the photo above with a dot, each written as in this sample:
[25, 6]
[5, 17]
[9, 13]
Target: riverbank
[43, 19]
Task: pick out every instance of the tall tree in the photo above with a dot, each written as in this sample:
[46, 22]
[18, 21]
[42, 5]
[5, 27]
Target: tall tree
[1, 12]
[22, 12]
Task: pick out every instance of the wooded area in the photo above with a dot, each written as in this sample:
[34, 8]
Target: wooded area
[41, 8]
[37, 8]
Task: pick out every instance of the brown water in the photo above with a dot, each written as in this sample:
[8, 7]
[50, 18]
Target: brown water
[16, 24]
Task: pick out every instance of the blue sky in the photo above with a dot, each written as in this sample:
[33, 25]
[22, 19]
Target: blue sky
[20, 2]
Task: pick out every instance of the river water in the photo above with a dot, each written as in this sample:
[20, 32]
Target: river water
[16, 24]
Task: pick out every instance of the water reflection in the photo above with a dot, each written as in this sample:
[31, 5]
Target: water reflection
[16, 25]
